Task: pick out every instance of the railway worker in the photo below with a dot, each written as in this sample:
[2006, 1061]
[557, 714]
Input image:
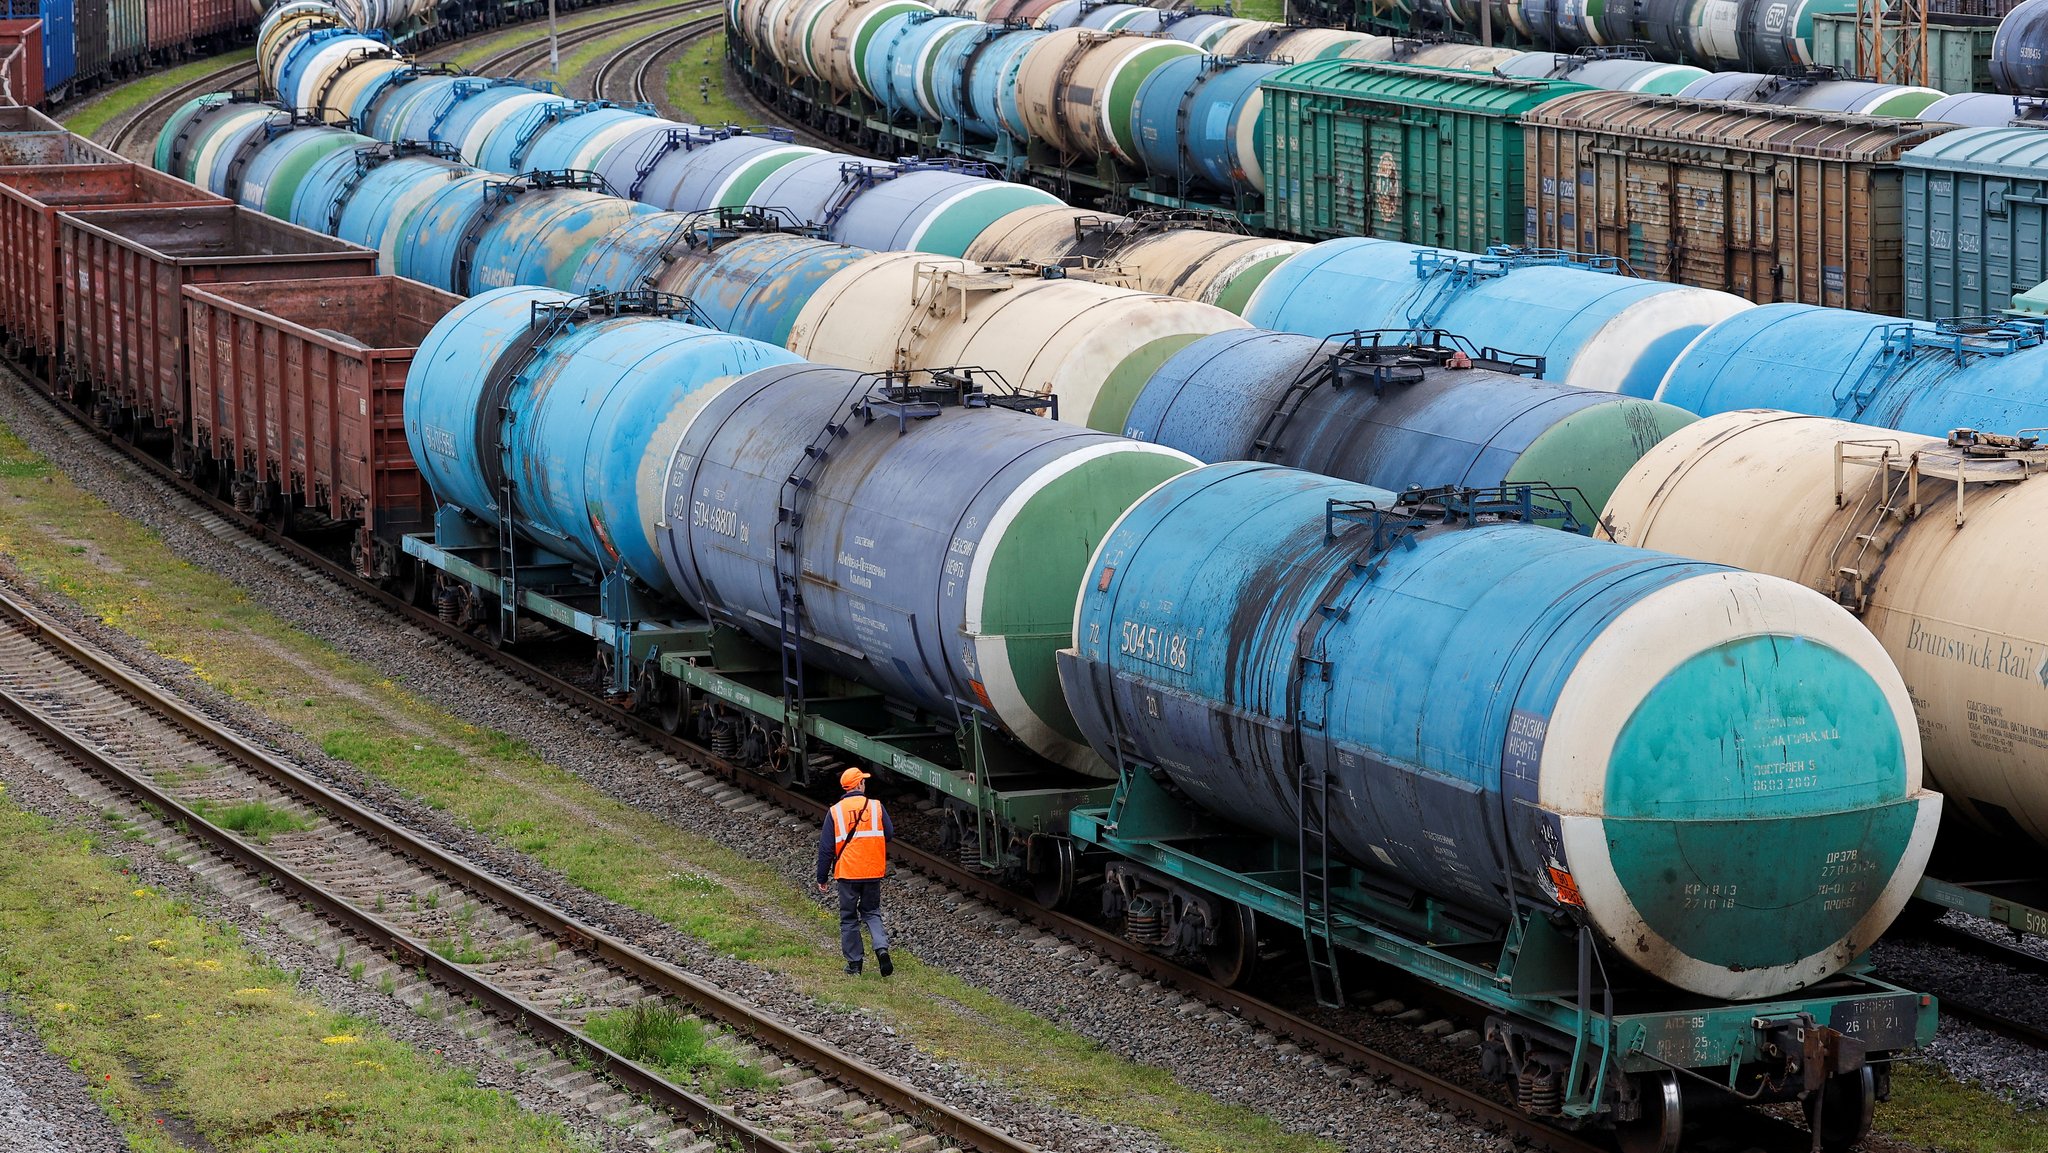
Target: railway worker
[853, 850]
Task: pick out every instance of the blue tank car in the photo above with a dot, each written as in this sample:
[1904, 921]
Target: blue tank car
[1903, 374]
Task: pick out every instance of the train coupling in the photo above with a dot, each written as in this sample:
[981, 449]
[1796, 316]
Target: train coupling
[1806, 1052]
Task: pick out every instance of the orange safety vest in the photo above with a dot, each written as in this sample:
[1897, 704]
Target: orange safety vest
[859, 849]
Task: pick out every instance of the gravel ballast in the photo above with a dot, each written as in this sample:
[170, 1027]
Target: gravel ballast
[44, 1107]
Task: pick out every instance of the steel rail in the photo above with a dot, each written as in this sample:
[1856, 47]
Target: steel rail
[1999, 953]
[767, 1029]
[120, 132]
[527, 54]
[654, 50]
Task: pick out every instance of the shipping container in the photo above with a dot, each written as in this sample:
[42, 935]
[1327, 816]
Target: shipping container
[1976, 210]
[211, 18]
[298, 397]
[56, 54]
[1400, 152]
[30, 199]
[125, 271]
[1799, 497]
[127, 33]
[1958, 54]
[1769, 204]
[91, 32]
[169, 26]
[21, 62]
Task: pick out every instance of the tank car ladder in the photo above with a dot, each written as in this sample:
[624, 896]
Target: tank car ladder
[874, 398]
[1870, 530]
[1889, 350]
[1308, 692]
[1969, 458]
[793, 502]
[545, 322]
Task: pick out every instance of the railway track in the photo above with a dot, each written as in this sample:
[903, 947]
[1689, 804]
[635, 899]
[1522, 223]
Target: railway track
[624, 77]
[531, 55]
[532, 976]
[2018, 960]
[137, 130]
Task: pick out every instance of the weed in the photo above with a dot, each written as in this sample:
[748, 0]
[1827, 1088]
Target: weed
[259, 820]
[653, 1033]
[461, 951]
[355, 972]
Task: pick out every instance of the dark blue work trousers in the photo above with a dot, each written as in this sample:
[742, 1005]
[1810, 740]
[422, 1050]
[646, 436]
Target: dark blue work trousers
[860, 902]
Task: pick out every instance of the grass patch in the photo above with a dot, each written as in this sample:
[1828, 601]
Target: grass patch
[656, 1035]
[696, 84]
[1273, 10]
[740, 906]
[169, 1018]
[257, 820]
[89, 117]
[474, 51]
[1929, 1108]
[460, 950]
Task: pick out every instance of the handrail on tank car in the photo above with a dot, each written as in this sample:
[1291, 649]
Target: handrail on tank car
[710, 228]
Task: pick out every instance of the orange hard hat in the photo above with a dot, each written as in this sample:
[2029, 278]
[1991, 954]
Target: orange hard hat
[851, 778]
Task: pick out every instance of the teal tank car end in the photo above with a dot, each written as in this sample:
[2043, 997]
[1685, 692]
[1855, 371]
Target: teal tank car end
[1743, 812]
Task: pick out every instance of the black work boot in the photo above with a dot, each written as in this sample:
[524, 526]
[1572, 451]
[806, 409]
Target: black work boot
[853, 968]
[882, 957]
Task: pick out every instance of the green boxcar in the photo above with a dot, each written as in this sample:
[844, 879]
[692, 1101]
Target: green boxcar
[1424, 155]
[1958, 51]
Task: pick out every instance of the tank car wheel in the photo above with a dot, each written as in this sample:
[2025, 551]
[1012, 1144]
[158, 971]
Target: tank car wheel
[416, 583]
[1662, 1122]
[675, 706]
[1231, 959]
[495, 633]
[1847, 1104]
[1052, 872]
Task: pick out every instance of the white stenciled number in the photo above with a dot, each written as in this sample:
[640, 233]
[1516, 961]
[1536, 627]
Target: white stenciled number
[723, 521]
[1153, 644]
